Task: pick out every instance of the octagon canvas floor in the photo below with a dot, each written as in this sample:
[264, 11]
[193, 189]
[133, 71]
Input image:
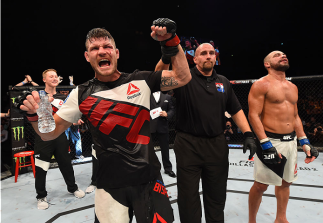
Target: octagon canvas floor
[19, 205]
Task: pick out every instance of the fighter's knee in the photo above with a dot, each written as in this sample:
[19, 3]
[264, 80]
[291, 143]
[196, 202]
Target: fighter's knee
[260, 187]
[285, 184]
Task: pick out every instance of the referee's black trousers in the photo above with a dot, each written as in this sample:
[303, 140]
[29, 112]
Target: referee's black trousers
[206, 159]
[44, 150]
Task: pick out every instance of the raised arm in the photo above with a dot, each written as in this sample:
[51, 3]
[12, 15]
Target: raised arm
[161, 66]
[25, 81]
[31, 81]
[179, 75]
[163, 30]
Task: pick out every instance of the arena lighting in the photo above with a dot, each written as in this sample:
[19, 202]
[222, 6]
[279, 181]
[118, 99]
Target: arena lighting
[235, 145]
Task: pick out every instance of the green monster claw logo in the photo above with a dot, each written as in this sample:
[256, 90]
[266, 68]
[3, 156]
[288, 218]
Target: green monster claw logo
[13, 100]
[16, 132]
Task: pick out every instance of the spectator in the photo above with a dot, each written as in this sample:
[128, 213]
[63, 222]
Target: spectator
[5, 121]
[73, 134]
[228, 132]
[44, 150]
[217, 53]
[159, 125]
[6, 151]
[318, 135]
[4, 134]
[5, 115]
[189, 53]
[64, 92]
[27, 80]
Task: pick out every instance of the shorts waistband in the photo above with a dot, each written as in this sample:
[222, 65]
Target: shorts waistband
[282, 137]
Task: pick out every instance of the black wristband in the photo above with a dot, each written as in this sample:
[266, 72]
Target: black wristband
[248, 134]
[165, 59]
[32, 117]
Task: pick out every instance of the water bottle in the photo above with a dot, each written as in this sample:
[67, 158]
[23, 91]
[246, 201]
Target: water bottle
[46, 122]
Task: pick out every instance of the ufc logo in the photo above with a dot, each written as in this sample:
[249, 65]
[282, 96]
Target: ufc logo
[269, 157]
[287, 138]
[107, 124]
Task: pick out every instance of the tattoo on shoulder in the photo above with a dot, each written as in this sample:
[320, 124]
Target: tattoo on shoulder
[168, 81]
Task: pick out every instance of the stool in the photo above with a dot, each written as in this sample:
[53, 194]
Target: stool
[24, 164]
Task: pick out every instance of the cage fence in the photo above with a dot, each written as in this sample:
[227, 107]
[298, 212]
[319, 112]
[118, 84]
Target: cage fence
[310, 110]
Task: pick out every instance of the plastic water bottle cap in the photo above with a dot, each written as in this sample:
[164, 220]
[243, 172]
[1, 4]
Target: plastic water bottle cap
[42, 93]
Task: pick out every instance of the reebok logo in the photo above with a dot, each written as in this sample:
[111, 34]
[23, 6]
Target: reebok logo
[132, 90]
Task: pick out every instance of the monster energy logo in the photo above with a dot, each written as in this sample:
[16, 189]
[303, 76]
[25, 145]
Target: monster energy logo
[16, 132]
[13, 100]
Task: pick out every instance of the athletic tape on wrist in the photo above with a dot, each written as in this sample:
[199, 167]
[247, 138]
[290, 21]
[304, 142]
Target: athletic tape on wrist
[265, 144]
[173, 42]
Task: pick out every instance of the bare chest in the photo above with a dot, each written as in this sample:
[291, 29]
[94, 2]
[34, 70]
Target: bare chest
[283, 93]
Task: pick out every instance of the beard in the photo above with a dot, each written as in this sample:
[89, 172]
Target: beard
[208, 66]
[279, 67]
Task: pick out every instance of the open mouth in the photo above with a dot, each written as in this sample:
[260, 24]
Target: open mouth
[104, 63]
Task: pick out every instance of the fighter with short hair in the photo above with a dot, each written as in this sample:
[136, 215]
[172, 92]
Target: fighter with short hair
[274, 118]
[117, 106]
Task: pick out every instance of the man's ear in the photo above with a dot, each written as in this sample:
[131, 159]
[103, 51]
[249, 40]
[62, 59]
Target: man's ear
[86, 56]
[267, 65]
[117, 53]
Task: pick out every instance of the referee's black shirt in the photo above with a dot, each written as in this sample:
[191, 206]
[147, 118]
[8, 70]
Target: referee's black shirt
[200, 105]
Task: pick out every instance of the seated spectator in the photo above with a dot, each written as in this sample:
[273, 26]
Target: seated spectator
[228, 132]
[190, 53]
[318, 135]
[217, 53]
[308, 130]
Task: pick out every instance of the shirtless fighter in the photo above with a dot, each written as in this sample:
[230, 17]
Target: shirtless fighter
[274, 118]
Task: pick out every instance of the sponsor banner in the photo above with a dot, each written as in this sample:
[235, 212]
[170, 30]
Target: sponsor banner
[17, 130]
[250, 81]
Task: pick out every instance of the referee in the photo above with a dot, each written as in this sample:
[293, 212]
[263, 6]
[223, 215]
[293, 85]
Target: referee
[200, 146]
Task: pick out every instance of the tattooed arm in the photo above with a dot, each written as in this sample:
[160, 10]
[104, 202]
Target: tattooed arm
[178, 76]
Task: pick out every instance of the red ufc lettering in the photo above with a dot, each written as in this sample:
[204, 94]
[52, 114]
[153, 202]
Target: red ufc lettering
[113, 119]
[133, 136]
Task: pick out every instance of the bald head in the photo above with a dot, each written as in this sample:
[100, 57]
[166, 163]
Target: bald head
[205, 58]
[276, 60]
[270, 55]
[202, 47]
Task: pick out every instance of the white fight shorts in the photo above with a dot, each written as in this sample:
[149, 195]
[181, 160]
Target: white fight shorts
[272, 174]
